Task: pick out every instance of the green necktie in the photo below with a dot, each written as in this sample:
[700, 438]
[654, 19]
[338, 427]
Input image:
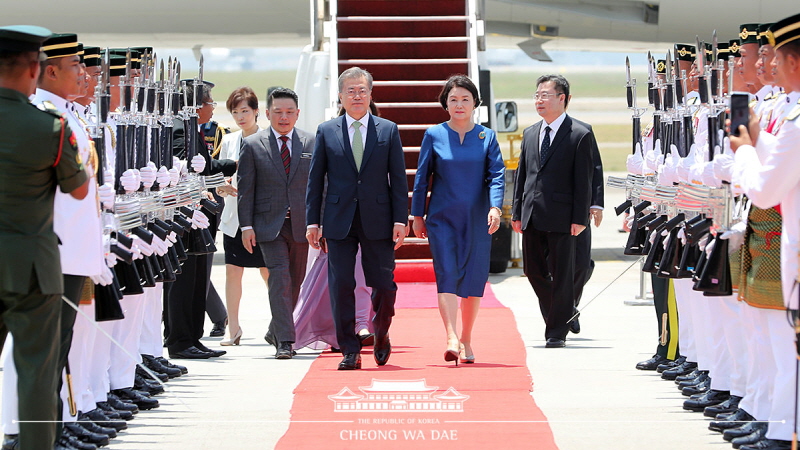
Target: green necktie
[358, 144]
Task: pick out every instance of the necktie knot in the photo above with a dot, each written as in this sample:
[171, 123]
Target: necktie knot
[284, 138]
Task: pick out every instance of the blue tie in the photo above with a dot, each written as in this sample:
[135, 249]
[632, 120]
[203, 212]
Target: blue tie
[545, 146]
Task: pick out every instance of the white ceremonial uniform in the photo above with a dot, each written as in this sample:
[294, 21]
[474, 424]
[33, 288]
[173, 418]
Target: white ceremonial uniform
[772, 182]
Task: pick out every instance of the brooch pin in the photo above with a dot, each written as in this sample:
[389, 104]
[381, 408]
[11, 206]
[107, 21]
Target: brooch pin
[482, 135]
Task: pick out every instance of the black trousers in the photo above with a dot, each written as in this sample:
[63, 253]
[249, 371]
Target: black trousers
[377, 258]
[185, 304]
[73, 286]
[584, 265]
[549, 260]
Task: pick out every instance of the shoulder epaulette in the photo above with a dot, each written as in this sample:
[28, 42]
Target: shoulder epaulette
[794, 113]
[49, 107]
[753, 102]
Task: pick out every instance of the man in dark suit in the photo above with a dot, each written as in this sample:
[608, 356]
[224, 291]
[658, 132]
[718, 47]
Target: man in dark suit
[366, 203]
[273, 175]
[552, 195]
[584, 265]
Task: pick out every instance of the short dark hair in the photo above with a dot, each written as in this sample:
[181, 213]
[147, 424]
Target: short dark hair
[242, 94]
[461, 81]
[282, 92]
[561, 83]
[11, 62]
[792, 48]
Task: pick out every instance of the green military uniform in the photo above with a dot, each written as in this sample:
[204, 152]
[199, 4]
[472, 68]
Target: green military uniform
[37, 154]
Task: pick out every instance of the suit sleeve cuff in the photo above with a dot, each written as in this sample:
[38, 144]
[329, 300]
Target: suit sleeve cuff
[246, 228]
[314, 225]
[596, 207]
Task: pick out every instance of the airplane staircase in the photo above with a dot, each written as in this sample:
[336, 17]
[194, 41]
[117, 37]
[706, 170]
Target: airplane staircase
[410, 47]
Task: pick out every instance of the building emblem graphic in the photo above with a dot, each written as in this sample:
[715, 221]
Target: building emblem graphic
[397, 396]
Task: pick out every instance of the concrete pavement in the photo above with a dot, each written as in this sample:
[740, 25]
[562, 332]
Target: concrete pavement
[590, 391]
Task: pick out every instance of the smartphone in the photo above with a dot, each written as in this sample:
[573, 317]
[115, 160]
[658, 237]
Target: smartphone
[740, 111]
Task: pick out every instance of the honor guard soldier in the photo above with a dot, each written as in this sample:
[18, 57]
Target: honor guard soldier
[37, 153]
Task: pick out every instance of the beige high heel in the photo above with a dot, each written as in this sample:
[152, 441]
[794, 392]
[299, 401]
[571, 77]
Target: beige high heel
[463, 354]
[451, 354]
[234, 340]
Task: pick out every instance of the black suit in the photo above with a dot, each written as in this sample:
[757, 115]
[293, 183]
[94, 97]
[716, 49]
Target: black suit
[548, 198]
[361, 207]
[584, 265]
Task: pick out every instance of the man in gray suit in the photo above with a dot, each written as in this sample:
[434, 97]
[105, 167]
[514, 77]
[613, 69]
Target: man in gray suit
[273, 174]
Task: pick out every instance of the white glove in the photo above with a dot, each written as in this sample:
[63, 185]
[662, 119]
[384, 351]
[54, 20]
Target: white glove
[709, 247]
[106, 193]
[144, 248]
[682, 235]
[198, 163]
[104, 278]
[130, 180]
[180, 164]
[163, 177]
[111, 259]
[635, 162]
[629, 222]
[136, 252]
[652, 237]
[159, 247]
[665, 241]
[685, 164]
[174, 176]
[701, 244]
[148, 175]
[199, 220]
[651, 159]
[735, 236]
[707, 176]
[172, 238]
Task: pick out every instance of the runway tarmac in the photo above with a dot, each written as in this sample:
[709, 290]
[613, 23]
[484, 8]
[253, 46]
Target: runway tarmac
[590, 392]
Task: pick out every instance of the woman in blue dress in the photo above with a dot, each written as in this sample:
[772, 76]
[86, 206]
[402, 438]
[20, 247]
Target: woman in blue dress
[463, 162]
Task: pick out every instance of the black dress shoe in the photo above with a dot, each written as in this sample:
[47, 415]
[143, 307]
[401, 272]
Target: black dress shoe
[697, 379]
[750, 439]
[117, 403]
[72, 442]
[351, 361]
[167, 363]
[710, 398]
[728, 406]
[271, 339]
[151, 387]
[768, 444]
[689, 376]
[142, 373]
[670, 364]
[367, 340]
[652, 363]
[702, 387]
[95, 428]
[98, 416]
[555, 343]
[382, 351]
[677, 371]
[748, 428]
[219, 328]
[284, 350]
[737, 419]
[190, 353]
[214, 353]
[114, 413]
[141, 401]
[153, 364]
[77, 430]
[10, 442]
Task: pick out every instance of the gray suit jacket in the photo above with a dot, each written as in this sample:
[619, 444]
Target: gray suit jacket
[266, 194]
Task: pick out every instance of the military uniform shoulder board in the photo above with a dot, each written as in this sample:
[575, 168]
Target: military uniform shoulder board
[794, 113]
[49, 107]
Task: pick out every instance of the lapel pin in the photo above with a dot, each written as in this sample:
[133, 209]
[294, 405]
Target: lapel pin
[482, 135]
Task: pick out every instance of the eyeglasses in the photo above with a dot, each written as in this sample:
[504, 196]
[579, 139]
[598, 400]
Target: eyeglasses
[213, 104]
[360, 92]
[546, 95]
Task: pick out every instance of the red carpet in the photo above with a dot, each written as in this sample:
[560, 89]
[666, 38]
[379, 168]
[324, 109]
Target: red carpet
[416, 396]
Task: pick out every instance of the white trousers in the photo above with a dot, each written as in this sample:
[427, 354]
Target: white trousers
[683, 289]
[151, 341]
[126, 332]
